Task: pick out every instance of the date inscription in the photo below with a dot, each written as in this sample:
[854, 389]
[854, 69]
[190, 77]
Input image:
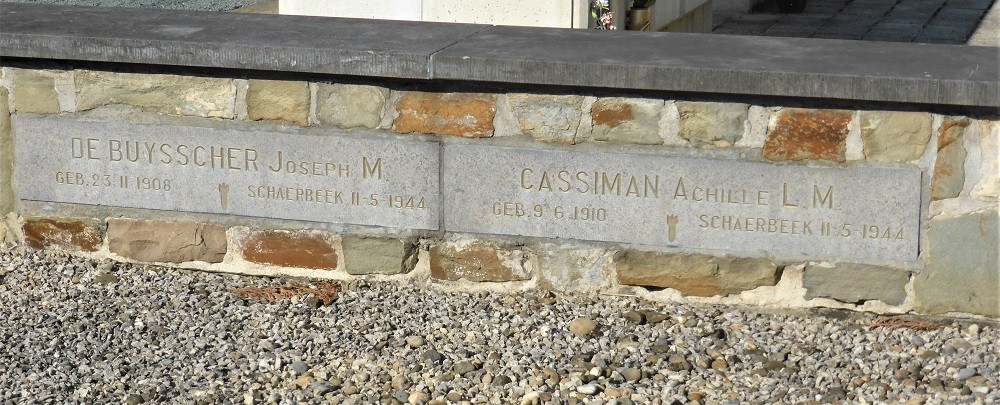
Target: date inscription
[326, 177]
[859, 213]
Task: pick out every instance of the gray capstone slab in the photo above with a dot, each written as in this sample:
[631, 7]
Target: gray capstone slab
[859, 213]
[326, 176]
[225, 40]
[729, 64]
[701, 63]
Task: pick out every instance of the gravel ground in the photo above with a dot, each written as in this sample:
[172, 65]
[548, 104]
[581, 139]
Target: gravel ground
[82, 331]
[204, 5]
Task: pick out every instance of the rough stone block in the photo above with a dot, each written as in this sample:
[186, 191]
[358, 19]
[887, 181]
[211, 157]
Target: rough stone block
[895, 136]
[160, 93]
[373, 255]
[717, 124]
[459, 114]
[962, 272]
[6, 156]
[697, 275]
[160, 241]
[567, 269]
[547, 118]
[35, 91]
[477, 261]
[803, 134]
[949, 169]
[305, 249]
[350, 105]
[856, 283]
[627, 120]
[278, 100]
[987, 187]
[68, 234]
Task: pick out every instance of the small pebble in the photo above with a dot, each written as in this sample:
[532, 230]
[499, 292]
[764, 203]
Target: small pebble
[300, 366]
[414, 341]
[588, 389]
[965, 374]
[582, 326]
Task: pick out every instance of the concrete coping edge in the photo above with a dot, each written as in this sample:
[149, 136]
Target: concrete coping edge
[700, 63]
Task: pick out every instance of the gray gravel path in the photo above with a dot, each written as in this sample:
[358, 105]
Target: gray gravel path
[923, 21]
[80, 331]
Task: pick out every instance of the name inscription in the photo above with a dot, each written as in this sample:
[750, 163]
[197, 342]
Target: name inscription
[350, 178]
[860, 213]
[854, 213]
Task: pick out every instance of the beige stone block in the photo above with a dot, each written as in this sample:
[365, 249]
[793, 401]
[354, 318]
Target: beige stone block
[895, 136]
[477, 261]
[627, 120]
[696, 275]
[278, 100]
[757, 121]
[350, 105]
[712, 124]
[160, 241]
[161, 93]
[568, 269]
[987, 187]
[547, 118]
[6, 156]
[10, 231]
[35, 91]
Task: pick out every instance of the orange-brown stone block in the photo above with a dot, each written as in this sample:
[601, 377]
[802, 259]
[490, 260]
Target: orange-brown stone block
[43, 233]
[949, 169]
[161, 241]
[460, 114]
[612, 114]
[310, 250]
[476, 261]
[627, 120]
[802, 134]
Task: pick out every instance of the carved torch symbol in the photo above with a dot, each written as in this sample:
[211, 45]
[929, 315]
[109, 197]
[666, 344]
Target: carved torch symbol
[224, 195]
[671, 228]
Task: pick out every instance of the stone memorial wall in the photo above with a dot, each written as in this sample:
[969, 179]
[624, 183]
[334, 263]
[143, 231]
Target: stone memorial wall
[500, 172]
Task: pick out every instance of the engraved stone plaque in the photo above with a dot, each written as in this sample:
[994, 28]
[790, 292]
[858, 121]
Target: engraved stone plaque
[350, 178]
[863, 213]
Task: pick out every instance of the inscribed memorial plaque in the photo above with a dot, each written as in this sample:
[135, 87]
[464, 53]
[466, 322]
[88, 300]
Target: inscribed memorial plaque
[865, 213]
[346, 178]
